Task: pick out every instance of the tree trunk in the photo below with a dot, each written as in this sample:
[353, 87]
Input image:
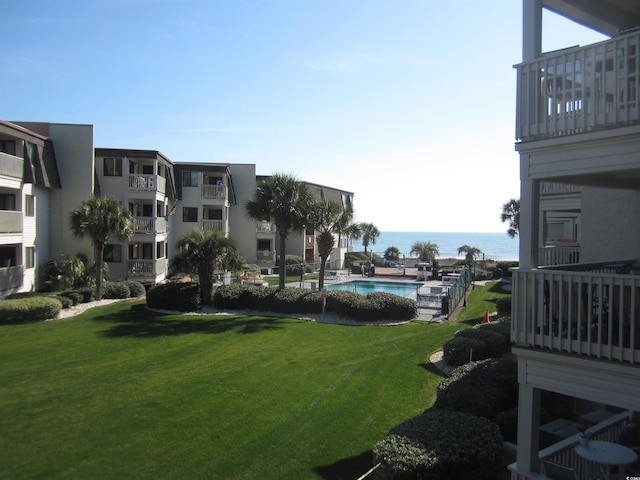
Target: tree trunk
[99, 265]
[281, 249]
[205, 272]
[323, 262]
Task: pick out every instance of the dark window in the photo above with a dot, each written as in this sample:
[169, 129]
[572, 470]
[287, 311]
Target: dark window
[7, 201]
[147, 210]
[264, 245]
[29, 205]
[30, 257]
[147, 169]
[147, 251]
[113, 253]
[189, 214]
[112, 167]
[8, 146]
[213, 214]
[190, 179]
[160, 250]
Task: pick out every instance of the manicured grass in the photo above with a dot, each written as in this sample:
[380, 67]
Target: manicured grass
[120, 392]
[479, 299]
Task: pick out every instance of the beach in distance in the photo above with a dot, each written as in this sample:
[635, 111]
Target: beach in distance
[495, 246]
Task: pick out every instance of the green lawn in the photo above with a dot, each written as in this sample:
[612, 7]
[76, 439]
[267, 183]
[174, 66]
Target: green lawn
[120, 392]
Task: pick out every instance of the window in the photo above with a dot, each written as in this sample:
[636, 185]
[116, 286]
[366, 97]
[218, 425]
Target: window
[160, 250]
[147, 210]
[8, 146]
[264, 245]
[190, 179]
[112, 167]
[7, 201]
[189, 214]
[30, 257]
[212, 214]
[147, 169]
[112, 253]
[29, 205]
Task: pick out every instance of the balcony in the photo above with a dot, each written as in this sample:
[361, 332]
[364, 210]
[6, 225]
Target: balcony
[562, 253]
[265, 227]
[146, 183]
[218, 192]
[11, 166]
[146, 269]
[11, 277]
[266, 257]
[579, 89]
[149, 225]
[590, 310]
[10, 221]
[217, 225]
[555, 188]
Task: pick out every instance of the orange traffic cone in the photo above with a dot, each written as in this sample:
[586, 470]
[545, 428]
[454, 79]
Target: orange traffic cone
[486, 317]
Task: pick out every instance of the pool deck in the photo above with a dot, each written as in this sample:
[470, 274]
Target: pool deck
[425, 314]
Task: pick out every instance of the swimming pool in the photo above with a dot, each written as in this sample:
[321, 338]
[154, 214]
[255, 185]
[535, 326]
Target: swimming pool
[363, 287]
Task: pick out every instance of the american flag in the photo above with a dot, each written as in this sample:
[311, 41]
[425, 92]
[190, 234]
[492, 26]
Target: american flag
[172, 211]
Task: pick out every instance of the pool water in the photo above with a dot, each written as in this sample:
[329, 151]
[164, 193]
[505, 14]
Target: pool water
[363, 287]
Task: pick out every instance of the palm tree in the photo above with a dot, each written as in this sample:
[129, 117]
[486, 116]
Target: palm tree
[426, 251]
[200, 251]
[328, 219]
[284, 200]
[511, 214]
[470, 252]
[370, 233]
[392, 254]
[98, 218]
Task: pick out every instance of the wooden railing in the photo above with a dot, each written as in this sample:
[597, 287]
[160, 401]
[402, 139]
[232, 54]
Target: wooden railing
[563, 452]
[149, 225]
[214, 191]
[589, 310]
[560, 254]
[146, 182]
[579, 89]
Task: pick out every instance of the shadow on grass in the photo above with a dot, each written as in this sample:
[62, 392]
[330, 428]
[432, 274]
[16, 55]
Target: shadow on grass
[347, 468]
[501, 287]
[430, 367]
[142, 323]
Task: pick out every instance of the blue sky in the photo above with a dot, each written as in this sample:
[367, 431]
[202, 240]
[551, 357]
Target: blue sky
[409, 104]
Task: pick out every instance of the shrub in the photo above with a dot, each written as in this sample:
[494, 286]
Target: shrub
[228, 297]
[440, 444]
[482, 388]
[65, 301]
[257, 298]
[88, 294]
[17, 296]
[184, 297]
[76, 297]
[136, 289]
[29, 309]
[374, 307]
[115, 290]
[503, 305]
[504, 267]
[295, 265]
[496, 343]
[501, 326]
[461, 350]
[297, 300]
[507, 422]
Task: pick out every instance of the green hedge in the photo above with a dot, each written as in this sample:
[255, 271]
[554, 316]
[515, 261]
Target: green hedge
[374, 307]
[136, 289]
[483, 388]
[65, 301]
[29, 309]
[461, 350]
[184, 297]
[442, 445]
[503, 305]
[74, 296]
[113, 290]
[495, 343]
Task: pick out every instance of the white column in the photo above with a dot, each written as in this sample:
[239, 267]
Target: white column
[528, 423]
[531, 29]
[529, 217]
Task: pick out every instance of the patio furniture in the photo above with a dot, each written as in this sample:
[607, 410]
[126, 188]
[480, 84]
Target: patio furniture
[606, 455]
[556, 471]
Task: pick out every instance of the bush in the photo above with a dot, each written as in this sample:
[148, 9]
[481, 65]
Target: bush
[88, 294]
[501, 326]
[440, 444]
[507, 422]
[496, 344]
[505, 266]
[136, 289]
[183, 297]
[257, 298]
[228, 297]
[29, 309]
[297, 300]
[65, 301]
[76, 297]
[483, 388]
[503, 305]
[17, 296]
[461, 350]
[374, 307]
[115, 290]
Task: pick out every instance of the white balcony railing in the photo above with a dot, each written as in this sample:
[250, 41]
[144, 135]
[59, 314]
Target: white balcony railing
[11, 166]
[265, 227]
[10, 221]
[146, 183]
[562, 254]
[142, 268]
[579, 89]
[589, 310]
[11, 277]
[146, 225]
[214, 191]
[265, 257]
[217, 225]
[555, 188]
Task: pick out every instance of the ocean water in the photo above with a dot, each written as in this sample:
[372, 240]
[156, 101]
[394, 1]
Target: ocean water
[495, 246]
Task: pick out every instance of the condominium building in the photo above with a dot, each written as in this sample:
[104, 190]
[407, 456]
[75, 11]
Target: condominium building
[48, 169]
[576, 294]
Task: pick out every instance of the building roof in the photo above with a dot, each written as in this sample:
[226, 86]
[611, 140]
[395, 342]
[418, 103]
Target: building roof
[609, 17]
